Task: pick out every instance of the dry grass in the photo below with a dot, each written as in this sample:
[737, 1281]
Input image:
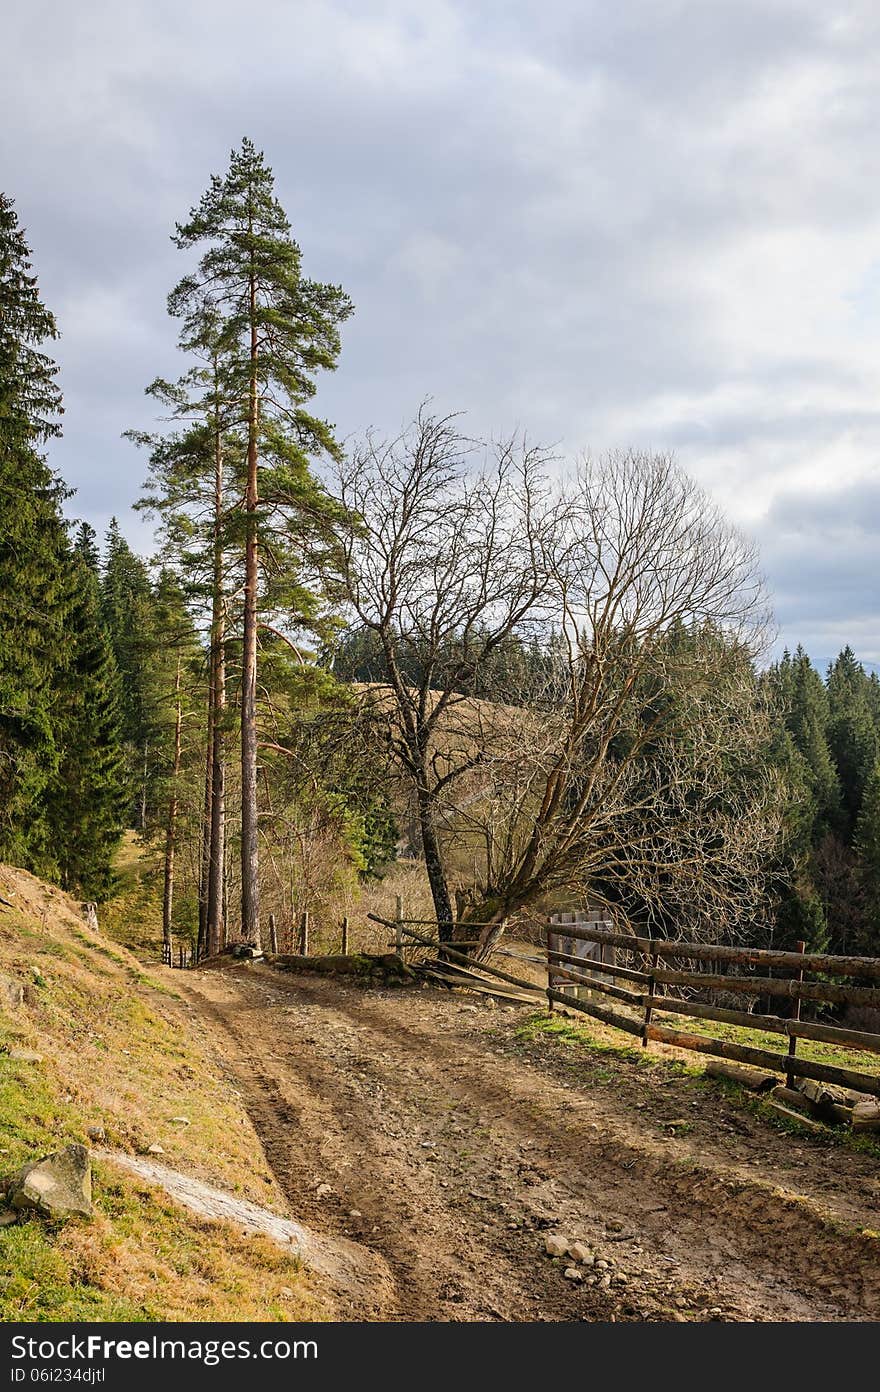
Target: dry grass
[133, 916]
[121, 1050]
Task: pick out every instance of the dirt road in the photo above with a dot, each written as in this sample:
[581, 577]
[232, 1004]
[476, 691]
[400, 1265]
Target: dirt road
[424, 1126]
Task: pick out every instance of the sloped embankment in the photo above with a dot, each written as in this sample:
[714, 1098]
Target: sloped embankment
[99, 1046]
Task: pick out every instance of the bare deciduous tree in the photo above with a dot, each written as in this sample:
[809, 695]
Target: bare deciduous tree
[630, 766]
[447, 563]
[645, 779]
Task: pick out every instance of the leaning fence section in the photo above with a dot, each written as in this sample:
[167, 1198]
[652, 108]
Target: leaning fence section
[586, 956]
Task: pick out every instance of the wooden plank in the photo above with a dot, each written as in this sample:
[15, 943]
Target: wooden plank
[770, 1024]
[791, 1115]
[483, 990]
[773, 986]
[824, 962]
[598, 1012]
[463, 975]
[832, 1034]
[607, 988]
[449, 951]
[765, 1058]
[720, 1048]
[625, 973]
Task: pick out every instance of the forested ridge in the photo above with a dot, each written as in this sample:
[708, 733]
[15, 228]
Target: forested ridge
[549, 683]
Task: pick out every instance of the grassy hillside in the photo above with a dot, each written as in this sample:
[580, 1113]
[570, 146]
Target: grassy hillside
[119, 1050]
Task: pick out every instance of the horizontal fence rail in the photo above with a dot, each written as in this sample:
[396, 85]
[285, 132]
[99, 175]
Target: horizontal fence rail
[823, 962]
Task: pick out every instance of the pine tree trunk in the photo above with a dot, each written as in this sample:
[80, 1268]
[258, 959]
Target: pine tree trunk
[217, 823]
[250, 868]
[171, 829]
[205, 845]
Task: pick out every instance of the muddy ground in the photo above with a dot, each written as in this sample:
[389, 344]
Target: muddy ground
[422, 1124]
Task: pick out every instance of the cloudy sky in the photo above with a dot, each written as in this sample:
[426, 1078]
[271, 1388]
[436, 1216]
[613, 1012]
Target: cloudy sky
[653, 223]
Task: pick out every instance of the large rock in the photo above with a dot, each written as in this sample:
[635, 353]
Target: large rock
[58, 1186]
[11, 993]
[555, 1245]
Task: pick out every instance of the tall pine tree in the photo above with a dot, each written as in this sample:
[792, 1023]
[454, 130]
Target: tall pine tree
[187, 489]
[276, 329]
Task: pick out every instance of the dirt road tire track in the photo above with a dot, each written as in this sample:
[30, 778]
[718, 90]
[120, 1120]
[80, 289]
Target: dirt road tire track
[452, 1155]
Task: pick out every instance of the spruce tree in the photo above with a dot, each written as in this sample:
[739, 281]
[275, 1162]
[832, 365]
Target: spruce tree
[852, 734]
[808, 721]
[128, 610]
[88, 796]
[867, 844]
[86, 545]
[33, 548]
[276, 330]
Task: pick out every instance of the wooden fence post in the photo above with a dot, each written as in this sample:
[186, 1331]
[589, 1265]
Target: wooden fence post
[273, 935]
[398, 924]
[792, 1039]
[649, 999]
[549, 967]
[345, 936]
[304, 933]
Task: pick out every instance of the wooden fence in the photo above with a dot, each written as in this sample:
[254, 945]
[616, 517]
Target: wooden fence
[593, 964]
[184, 957]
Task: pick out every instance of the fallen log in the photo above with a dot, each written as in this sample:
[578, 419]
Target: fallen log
[820, 1105]
[746, 1077]
[866, 1115]
[823, 1094]
[792, 1098]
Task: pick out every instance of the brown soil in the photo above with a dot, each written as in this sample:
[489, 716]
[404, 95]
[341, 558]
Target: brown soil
[452, 1147]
